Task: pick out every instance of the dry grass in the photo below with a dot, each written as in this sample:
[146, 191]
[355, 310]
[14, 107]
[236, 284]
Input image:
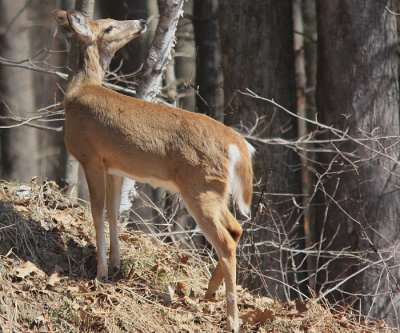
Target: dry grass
[47, 270]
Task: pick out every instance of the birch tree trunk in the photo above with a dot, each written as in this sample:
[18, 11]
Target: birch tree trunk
[129, 59]
[160, 50]
[149, 83]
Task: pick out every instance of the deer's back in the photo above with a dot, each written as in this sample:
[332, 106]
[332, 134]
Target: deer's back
[109, 126]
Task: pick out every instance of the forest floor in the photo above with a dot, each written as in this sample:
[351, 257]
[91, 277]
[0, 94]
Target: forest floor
[47, 271]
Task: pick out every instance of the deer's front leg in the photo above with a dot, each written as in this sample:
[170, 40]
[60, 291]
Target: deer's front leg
[96, 182]
[113, 200]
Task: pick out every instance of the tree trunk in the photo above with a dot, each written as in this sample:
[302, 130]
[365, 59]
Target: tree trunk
[47, 87]
[19, 145]
[308, 12]
[359, 196]
[257, 48]
[185, 52]
[310, 53]
[303, 110]
[69, 163]
[150, 79]
[209, 77]
[149, 85]
[129, 60]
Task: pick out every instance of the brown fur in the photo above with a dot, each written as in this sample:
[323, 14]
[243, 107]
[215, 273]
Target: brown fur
[109, 133]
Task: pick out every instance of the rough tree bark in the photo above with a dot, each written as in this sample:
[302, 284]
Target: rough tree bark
[46, 87]
[303, 110]
[69, 163]
[19, 145]
[257, 49]
[209, 77]
[308, 12]
[359, 204]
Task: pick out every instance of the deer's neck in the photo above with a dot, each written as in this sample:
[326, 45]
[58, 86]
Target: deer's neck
[92, 66]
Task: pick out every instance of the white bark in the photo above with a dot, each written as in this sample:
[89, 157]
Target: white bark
[160, 50]
[150, 80]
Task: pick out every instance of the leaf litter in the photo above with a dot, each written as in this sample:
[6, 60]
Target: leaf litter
[47, 280]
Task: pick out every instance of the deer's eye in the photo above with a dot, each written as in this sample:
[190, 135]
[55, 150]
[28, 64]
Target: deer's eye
[109, 29]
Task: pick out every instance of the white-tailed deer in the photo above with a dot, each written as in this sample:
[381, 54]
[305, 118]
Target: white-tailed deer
[113, 136]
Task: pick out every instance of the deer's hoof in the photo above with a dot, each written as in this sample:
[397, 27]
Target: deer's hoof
[233, 325]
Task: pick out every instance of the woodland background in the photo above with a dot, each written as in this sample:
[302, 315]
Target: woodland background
[313, 85]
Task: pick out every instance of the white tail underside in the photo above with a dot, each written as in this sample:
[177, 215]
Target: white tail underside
[235, 184]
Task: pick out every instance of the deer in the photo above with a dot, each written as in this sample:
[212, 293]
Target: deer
[114, 136]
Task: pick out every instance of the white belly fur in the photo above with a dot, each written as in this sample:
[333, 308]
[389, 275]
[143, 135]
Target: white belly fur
[154, 182]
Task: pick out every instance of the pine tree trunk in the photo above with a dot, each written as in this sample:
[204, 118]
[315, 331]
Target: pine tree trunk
[359, 203]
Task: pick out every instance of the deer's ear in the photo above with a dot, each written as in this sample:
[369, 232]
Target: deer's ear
[60, 16]
[79, 24]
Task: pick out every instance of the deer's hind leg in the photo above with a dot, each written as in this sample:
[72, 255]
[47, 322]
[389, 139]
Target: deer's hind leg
[235, 230]
[209, 210]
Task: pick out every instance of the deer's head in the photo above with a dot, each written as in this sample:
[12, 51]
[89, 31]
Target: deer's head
[106, 35]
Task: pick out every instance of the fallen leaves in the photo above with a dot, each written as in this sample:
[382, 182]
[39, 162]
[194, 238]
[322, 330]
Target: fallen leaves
[274, 316]
[73, 289]
[184, 260]
[257, 316]
[181, 289]
[27, 268]
[134, 303]
[301, 306]
[54, 279]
